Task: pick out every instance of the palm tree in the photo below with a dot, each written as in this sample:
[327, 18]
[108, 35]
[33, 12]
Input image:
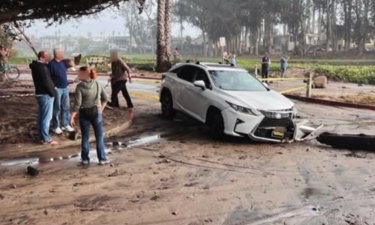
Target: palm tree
[163, 63]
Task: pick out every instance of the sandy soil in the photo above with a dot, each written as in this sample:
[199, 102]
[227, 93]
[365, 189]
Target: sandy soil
[19, 113]
[171, 173]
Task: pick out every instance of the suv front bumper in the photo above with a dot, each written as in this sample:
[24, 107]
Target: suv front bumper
[258, 128]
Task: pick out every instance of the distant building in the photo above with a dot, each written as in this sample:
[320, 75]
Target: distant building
[286, 43]
[121, 43]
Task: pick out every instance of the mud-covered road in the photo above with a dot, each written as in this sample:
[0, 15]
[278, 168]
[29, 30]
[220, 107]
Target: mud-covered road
[171, 173]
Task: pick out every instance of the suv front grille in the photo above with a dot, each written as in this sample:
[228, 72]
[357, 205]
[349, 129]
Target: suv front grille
[278, 114]
[271, 122]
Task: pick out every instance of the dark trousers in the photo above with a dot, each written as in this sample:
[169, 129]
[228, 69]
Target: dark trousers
[265, 73]
[116, 88]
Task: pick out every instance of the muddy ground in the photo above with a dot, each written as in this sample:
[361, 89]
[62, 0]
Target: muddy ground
[172, 173]
[18, 114]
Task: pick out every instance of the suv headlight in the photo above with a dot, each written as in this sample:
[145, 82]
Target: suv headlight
[244, 110]
[295, 111]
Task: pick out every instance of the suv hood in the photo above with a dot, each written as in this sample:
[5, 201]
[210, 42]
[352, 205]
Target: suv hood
[264, 100]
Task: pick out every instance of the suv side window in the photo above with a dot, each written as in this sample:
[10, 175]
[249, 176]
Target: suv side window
[202, 75]
[187, 73]
[176, 70]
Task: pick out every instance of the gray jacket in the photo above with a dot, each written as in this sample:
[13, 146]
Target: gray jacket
[86, 93]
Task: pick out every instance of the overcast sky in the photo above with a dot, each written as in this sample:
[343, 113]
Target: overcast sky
[106, 22]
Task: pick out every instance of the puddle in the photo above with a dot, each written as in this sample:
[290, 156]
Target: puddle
[134, 143]
[49, 157]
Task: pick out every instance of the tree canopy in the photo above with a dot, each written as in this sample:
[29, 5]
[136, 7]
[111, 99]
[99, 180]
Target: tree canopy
[54, 11]
[253, 22]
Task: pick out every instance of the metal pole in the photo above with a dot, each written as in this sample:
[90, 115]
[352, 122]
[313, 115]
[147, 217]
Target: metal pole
[309, 85]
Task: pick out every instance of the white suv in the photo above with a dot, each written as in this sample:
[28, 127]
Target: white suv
[229, 100]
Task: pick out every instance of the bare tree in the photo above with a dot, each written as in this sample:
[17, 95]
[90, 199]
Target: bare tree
[17, 31]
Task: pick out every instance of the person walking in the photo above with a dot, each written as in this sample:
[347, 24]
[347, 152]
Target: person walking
[44, 93]
[118, 78]
[266, 62]
[90, 100]
[59, 76]
[283, 65]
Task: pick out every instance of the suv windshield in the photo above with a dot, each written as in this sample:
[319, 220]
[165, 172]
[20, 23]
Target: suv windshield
[236, 81]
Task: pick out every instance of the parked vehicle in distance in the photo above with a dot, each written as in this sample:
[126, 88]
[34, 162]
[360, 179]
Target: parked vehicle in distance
[229, 100]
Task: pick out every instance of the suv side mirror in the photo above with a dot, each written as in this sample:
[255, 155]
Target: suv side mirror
[201, 84]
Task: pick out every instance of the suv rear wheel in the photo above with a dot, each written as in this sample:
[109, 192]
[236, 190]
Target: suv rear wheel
[216, 124]
[167, 111]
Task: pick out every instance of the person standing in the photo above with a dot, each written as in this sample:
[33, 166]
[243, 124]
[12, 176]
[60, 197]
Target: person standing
[118, 78]
[59, 76]
[4, 54]
[283, 65]
[233, 60]
[266, 62]
[176, 54]
[90, 101]
[44, 93]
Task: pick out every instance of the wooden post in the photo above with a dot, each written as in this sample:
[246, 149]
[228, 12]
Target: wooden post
[309, 85]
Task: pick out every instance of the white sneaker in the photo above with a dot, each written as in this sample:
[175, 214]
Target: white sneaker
[58, 131]
[68, 128]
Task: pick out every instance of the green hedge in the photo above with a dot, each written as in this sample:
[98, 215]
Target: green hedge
[352, 74]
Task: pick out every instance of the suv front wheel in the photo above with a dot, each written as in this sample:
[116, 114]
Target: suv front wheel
[167, 111]
[216, 124]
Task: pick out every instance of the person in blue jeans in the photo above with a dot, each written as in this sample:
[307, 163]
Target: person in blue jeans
[59, 76]
[89, 94]
[44, 93]
[283, 65]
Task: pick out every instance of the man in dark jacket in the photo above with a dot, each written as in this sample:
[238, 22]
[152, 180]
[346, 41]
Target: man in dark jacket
[266, 62]
[45, 93]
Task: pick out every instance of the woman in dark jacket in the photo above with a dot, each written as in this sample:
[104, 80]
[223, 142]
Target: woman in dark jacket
[90, 101]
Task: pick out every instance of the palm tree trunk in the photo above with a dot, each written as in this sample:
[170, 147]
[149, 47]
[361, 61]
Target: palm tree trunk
[168, 26]
[162, 59]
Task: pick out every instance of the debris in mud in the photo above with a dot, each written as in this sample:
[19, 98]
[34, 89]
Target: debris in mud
[205, 156]
[73, 135]
[45, 212]
[155, 198]
[115, 174]
[174, 213]
[242, 157]
[162, 157]
[32, 171]
[1, 197]
[191, 184]
[348, 141]
[13, 186]
[164, 161]
[354, 155]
